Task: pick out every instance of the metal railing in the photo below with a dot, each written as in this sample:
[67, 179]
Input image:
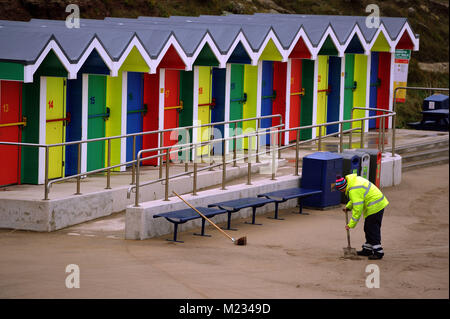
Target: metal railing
[273, 150]
[79, 175]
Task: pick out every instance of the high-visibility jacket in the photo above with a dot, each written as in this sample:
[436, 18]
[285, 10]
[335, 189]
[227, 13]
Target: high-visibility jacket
[364, 197]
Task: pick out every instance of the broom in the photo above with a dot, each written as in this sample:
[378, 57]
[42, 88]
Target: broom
[240, 241]
[349, 252]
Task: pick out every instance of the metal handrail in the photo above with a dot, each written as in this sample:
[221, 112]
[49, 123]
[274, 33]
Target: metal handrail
[193, 145]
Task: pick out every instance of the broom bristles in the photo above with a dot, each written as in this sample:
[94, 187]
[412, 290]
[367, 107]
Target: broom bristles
[241, 241]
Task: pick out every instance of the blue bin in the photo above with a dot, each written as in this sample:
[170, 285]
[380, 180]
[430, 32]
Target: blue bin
[435, 102]
[319, 171]
[351, 163]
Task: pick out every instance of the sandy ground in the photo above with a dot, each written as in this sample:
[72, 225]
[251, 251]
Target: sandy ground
[299, 257]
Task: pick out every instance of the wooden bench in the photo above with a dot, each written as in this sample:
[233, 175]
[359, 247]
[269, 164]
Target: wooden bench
[290, 193]
[233, 206]
[183, 215]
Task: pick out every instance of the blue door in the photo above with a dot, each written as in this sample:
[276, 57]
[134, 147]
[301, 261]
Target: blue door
[218, 111]
[373, 87]
[267, 97]
[334, 82]
[73, 128]
[135, 111]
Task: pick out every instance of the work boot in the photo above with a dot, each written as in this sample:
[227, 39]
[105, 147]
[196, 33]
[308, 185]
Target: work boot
[376, 256]
[378, 252]
[365, 252]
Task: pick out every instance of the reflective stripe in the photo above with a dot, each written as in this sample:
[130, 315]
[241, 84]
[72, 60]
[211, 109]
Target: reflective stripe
[358, 203]
[380, 251]
[355, 187]
[376, 246]
[356, 220]
[377, 201]
[367, 190]
[367, 246]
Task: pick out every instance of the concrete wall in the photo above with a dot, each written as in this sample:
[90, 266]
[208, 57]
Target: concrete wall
[140, 224]
[54, 214]
[391, 170]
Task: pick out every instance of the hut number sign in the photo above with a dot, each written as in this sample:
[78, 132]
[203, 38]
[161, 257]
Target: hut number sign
[401, 63]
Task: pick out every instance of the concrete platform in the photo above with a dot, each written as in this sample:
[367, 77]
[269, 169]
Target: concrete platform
[23, 207]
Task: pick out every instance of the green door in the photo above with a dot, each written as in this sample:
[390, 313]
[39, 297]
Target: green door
[306, 110]
[96, 121]
[237, 100]
[349, 87]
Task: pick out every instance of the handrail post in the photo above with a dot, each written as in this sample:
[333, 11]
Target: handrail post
[297, 152]
[393, 134]
[351, 131]
[273, 159]
[257, 140]
[235, 145]
[166, 194]
[249, 162]
[279, 143]
[382, 134]
[79, 170]
[133, 167]
[46, 173]
[138, 170]
[381, 120]
[341, 137]
[224, 165]
[362, 134]
[319, 146]
[108, 172]
[194, 179]
[161, 158]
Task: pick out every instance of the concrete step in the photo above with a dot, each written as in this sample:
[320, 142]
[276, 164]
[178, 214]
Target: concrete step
[426, 154]
[432, 144]
[425, 163]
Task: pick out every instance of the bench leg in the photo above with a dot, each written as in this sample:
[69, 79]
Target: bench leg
[276, 213]
[253, 217]
[203, 229]
[300, 208]
[229, 223]
[175, 231]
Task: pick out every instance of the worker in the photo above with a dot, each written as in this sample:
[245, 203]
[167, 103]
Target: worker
[364, 198]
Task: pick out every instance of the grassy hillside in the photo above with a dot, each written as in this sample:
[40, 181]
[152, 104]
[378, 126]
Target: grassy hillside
[429, 19]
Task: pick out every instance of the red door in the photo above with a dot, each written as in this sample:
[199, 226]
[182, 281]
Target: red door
[296, 97]
[10, 114]
[279, 86]
[151, 118]
[171, 106]
[384, 71]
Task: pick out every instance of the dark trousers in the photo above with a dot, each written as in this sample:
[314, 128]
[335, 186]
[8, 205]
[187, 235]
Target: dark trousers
[372, 228]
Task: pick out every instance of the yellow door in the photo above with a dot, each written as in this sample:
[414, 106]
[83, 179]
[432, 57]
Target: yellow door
[55, 126]
[322, 87]
[204, 100]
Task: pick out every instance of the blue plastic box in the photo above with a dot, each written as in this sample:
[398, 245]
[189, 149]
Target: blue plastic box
[319, 171]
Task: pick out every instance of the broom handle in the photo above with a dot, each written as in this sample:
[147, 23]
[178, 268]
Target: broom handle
[203, 216]
[348, 232]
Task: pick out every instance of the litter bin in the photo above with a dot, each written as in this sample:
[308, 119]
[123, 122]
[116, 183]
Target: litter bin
[375, 164]
[319, 171]
[364, 162]
[350, 163]
[435, 102]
